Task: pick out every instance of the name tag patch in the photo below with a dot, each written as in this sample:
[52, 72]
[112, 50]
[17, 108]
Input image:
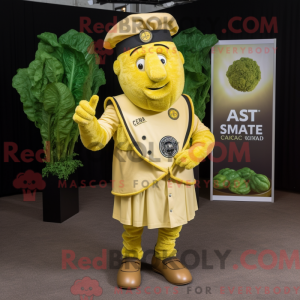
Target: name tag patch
[139, 121]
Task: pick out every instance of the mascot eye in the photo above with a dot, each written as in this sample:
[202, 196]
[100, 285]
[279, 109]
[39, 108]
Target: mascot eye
[141, 64]
[162, 59]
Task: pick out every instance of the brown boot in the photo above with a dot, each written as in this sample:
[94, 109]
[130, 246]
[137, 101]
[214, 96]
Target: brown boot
[172, 269]
[129, 274]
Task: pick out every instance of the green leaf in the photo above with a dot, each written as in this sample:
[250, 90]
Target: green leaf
[76, 71]
[47, 129]
[95, 79]
[79, 42]
[43, 70]
[50, 45]
[54, 70]
[74, 131]
[87, 86]
[35, 72]
[49, 38]
[59, 102]
[31, 106]
[98, 79]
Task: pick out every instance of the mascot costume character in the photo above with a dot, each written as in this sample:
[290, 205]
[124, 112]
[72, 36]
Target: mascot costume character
[158, 141]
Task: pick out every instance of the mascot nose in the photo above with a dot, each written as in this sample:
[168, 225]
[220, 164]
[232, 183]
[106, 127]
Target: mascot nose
[154, 68]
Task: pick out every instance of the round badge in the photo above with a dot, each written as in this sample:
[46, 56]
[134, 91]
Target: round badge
[173, 113]
[168, 146]
[145, 36]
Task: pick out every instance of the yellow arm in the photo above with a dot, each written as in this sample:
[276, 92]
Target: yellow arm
[202, 144]
[93, 136]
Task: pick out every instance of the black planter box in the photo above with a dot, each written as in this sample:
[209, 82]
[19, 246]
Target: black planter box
[60, 200]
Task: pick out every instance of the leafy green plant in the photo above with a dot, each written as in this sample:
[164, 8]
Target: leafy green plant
[64, 72]
[195, 47]
[63, 168]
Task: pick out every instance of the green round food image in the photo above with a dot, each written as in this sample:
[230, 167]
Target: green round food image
[230, 174]
[224, 170]
[239, 186]
[244, 74]
[221, 182]
[259, 183]
[245, 173]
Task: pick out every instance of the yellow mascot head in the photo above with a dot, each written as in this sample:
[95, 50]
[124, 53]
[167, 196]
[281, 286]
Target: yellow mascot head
[149, 66]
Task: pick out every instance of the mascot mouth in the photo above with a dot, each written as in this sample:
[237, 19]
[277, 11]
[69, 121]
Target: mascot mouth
[154, 89]
[157, 93]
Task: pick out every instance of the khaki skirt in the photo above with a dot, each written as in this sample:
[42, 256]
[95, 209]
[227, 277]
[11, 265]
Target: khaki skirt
[167, 204]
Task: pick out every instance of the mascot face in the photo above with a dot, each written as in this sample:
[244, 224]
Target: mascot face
[151, 76]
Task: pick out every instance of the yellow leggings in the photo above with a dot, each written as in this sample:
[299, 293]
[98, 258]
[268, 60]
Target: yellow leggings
[165, 246]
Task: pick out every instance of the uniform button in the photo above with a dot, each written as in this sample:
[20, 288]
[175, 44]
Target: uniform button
[149, 152]
[171, 210]
[170, 195]
[143, 137]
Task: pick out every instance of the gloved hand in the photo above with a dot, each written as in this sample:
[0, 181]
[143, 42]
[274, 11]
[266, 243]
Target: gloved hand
[93, 136]
[202, 144]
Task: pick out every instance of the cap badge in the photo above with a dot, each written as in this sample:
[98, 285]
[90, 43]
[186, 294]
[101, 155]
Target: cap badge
[146, 36]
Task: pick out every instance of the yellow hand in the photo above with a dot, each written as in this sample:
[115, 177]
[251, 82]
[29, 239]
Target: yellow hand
[85, 111]
[93, 136]
[203, 143]
[184, 160]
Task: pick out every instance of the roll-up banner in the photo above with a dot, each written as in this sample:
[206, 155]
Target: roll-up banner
[243, 120]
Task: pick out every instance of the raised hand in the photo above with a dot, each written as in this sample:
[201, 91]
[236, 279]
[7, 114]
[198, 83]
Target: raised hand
[85, 111]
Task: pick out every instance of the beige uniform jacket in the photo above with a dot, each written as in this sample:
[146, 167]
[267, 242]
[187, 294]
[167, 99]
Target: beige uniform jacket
[167, 204]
